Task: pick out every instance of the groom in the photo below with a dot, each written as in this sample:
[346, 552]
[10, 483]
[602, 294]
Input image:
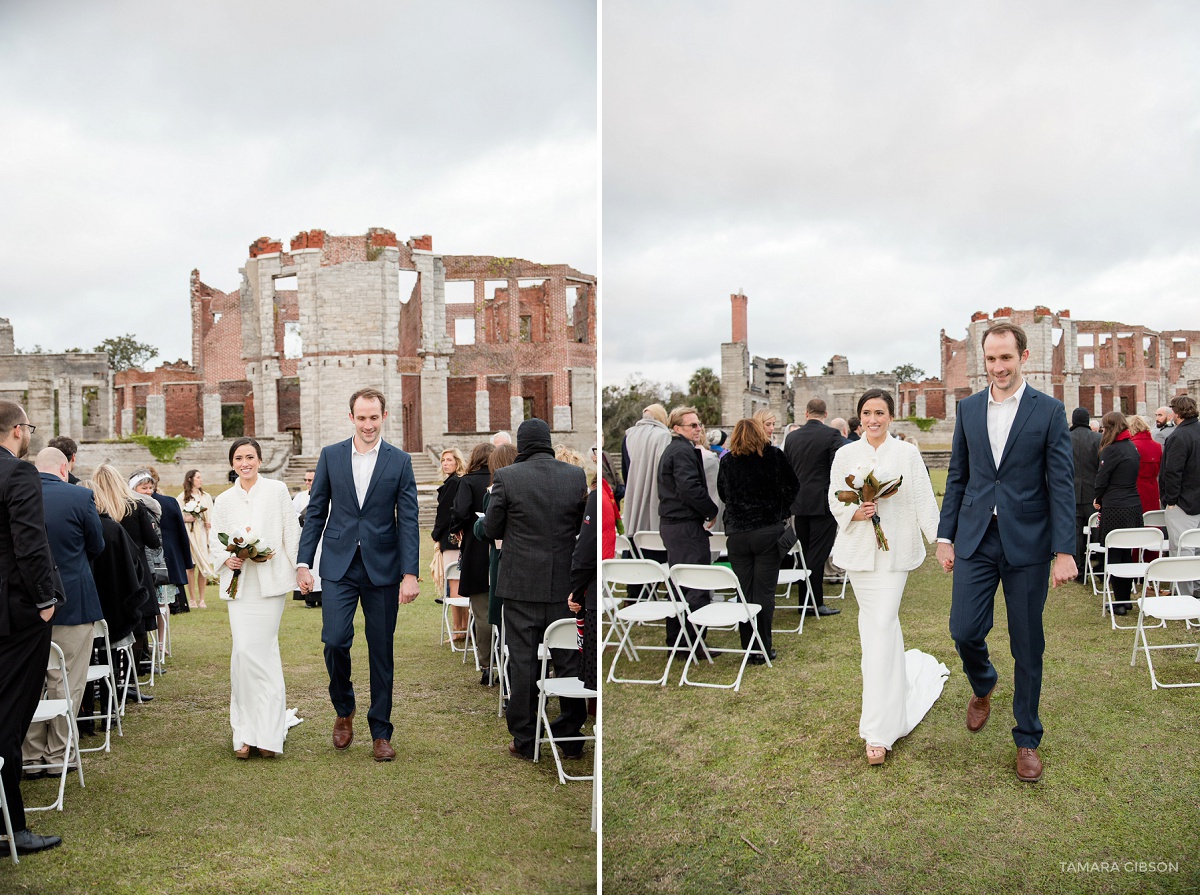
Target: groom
[364, 500]
[1008, 518]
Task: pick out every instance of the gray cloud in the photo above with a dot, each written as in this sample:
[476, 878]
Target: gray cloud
[871, 173]
[144, 139]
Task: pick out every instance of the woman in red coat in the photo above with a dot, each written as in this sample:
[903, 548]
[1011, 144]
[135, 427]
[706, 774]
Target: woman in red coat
[1150, 456]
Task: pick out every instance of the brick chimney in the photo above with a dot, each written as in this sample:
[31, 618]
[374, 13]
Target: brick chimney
[739, 316]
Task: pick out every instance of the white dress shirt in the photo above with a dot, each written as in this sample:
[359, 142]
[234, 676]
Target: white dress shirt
[1000, 416]
[363, 465]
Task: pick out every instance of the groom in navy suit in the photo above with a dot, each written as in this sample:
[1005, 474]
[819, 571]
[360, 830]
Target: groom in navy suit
[1008, 517]
[364, 501]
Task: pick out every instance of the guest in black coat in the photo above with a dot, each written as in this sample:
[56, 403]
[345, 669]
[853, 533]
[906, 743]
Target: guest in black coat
[757, 486]
[449, 541]
[474, 553]
[1116, 496]
[583, 587]
[1085, 451]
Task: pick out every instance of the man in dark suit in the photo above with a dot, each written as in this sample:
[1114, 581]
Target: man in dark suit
[1007, 518]
[364, 501]
[76, 537]
[1179, 479]
[536, 507]
[810, 450]
[27, 601]
[1085, 452]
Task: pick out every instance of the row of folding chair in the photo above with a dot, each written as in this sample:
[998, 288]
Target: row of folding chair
[559, 635]
[655, 579]
[1143, 541]
[1171, 570]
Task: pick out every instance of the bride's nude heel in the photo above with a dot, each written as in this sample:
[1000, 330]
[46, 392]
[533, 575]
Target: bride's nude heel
[876, 755]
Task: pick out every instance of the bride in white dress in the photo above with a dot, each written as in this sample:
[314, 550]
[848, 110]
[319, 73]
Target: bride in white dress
[898, 687]
[258, 702]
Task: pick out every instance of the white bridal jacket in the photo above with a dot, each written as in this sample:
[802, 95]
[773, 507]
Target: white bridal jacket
[904, 516]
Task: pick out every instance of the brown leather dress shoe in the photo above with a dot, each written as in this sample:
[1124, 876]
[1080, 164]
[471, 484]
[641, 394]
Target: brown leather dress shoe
[1029, 766]
[383, 750]
[978, 709]
[517, 753]
[343, 732]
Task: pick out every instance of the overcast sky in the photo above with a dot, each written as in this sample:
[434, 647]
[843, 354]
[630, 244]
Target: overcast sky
[141, 140]
[870, 173]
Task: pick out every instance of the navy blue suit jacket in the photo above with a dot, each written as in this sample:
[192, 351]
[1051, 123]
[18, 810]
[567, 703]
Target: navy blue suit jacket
[385, 525]
[1033, 491]
[177, 549]
[76, 537]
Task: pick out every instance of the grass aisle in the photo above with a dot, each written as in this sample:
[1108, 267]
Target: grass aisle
[171, 810]
[768, 791]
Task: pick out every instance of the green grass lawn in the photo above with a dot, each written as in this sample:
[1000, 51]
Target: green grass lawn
[768, 791]
[171, 810]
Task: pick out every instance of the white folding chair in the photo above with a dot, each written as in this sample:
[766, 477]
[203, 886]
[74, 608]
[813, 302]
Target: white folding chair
[798, 574]
[104, 672]
[124, 647]
[502, 650]
[562, 634]
[1176, 607]
[1190, 539]
[622, 546]
[631, 572]
[49, 708]
[446, 634]
[647, 540]
[1128, 539]
[12, 842]
[1091, 547]
[718, 545]
[724, 614]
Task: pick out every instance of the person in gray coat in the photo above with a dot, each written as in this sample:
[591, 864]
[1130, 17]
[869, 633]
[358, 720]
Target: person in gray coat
[536, 508]
[1085, 450]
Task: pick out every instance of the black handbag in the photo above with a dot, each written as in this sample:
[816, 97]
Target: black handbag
[787, 540]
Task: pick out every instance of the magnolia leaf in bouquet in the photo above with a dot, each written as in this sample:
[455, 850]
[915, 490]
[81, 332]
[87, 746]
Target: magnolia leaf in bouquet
[889, 488]
[223, 538]
[847, 497]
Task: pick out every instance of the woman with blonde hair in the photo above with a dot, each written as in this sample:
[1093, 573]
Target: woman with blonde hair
[767, 419]
[446, 542]
[197, 504]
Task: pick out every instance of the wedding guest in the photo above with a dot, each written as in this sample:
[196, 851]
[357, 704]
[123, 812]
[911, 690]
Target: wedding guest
[177, 552]
[1117, 496]
[767, 418]
[1085, 451]
[448, 541]
[311, 598]
[255, 508]
[641, 451]
[73, 528]
[582, 600]
[811, 450]
[840, 425]
[117, 571]
[1149, 460]
[1164, 424]
[898, 687]
[196, 505]
[146, 523]
[712, 464]
[853, 426]
[473, 555]
[758, 486]
[1179, 479]
[685, 511]
[500, 438]
[501, 457]
[70, 449]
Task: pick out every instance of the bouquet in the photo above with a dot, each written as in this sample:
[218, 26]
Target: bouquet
[196, 509]
[866, 488]
[243, 546]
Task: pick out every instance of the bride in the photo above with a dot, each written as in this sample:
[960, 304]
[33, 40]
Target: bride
[898, 688]
[257, 703]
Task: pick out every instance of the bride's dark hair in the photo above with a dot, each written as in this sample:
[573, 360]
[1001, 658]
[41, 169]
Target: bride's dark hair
[871, 393]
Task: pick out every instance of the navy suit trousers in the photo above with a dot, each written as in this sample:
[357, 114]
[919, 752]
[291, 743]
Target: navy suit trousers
[339, 602]
[971, 614]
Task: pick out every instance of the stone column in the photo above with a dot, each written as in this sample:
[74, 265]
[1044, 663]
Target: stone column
[951, 406]
[156, 415]
[516, 413]
[434, 416]
[583, 399]
[920, 404]
[211, 402]
[483, 405]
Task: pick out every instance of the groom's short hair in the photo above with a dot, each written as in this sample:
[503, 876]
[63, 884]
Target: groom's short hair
[999, 329]
[371, 394]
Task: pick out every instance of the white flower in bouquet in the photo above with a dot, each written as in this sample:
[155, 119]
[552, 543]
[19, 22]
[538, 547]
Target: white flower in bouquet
[195, 508]
[861, 473]
[244, 545]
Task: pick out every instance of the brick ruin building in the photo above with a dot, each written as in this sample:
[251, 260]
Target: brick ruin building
[63, 394]
[1100, 365]
[462, 345]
